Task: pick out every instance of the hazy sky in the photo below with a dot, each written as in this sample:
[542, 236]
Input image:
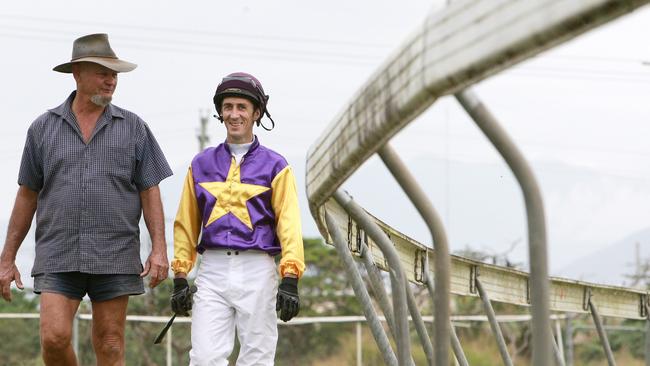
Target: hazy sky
[581, 106]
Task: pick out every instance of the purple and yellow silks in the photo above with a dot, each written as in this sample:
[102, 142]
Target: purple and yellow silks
[250, 206]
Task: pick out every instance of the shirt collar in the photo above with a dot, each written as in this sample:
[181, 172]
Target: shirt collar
[253, 147]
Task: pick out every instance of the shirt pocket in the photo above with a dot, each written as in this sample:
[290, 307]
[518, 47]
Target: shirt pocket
[120, 162]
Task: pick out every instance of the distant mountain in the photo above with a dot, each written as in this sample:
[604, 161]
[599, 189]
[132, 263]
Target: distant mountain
[613, 263]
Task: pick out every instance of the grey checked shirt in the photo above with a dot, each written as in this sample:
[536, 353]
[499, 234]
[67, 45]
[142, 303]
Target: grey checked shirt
[89, 194]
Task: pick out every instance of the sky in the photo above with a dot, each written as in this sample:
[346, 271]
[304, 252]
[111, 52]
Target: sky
[579, 112]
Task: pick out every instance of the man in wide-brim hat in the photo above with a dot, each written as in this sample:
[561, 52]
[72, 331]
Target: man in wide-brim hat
[92, 169]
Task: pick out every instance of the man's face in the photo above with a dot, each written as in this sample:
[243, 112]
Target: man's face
[95, 81]
[239, 114]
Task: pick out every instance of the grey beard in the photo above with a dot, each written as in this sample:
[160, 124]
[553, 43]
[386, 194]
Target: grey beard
[100, 100]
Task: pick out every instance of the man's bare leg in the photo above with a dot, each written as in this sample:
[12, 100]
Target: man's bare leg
[57, 314]
[109, 319]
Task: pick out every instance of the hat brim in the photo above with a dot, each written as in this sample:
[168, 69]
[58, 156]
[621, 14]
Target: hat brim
[111, 63]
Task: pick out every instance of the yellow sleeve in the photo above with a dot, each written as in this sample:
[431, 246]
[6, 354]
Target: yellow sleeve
[187, 228]
[287, 218]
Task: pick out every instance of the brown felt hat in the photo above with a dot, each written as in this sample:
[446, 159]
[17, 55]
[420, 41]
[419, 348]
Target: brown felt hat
[95, 48]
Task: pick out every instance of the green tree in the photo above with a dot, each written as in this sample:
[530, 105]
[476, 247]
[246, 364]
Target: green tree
[20, 341]
[324, 291]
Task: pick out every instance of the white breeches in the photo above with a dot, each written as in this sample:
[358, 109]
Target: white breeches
[235, 291]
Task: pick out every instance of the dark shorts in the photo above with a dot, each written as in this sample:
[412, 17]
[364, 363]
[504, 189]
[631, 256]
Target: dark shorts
[99, 287]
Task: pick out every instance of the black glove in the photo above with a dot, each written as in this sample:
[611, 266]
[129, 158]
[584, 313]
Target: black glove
[182, 297]
[288, 302]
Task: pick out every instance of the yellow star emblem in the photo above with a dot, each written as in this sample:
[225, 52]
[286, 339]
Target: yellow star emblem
[231, 196]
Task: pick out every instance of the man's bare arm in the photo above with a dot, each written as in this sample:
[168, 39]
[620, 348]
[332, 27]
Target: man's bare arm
[19, 224]
[157, 264]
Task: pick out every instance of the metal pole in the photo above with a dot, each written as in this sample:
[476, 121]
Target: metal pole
[455, 342]
[556, 352]
[420, 328]
[601, 333]
[647, 342]
[442, 259]
[361, 292]
[537, 253]
[75, 334]
[569, 340]
[432, 291]
[380, 292]
[458, 349]
[647, 332]
[560, 342]
[398, 278]
[378, 289]
[202, 134]
[359, 360]
[492, 318]
[169, 346]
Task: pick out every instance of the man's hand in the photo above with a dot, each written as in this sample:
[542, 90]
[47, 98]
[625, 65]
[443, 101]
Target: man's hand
[9, 273]
[182, 297]
[158, 266]
[288, 301]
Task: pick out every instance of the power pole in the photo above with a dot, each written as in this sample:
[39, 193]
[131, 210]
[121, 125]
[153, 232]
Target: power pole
[641, 276]
[638, 260]
[202, 134]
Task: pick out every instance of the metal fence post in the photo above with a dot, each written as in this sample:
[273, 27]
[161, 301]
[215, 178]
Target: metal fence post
[601, 333]
[359, 342]
[569, 340]
[647, 342]
[420, 328]
[537, 252]
[560, 341]
[458, 349]
[169, 346]
[494, 324]
[442, 260]
[378, 288]
[398, 278]
[382, 297]
[75, 334]
[362, 293]
[559, 361]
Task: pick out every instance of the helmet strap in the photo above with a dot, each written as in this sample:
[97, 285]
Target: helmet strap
[259, 122]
